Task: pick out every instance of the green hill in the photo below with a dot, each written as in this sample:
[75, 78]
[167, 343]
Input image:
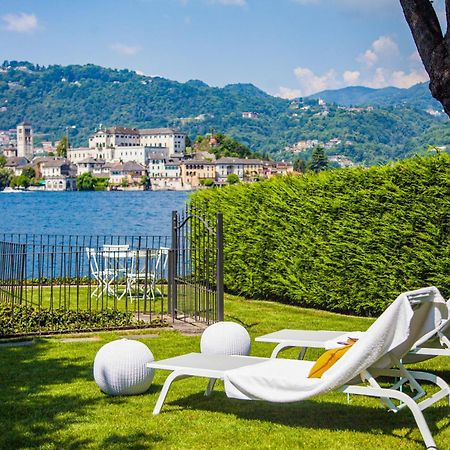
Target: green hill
[418, 96]
[54, 97]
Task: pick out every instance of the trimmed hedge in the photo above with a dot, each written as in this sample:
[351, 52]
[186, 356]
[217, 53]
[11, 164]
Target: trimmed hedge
[346, 240]
[24, 319]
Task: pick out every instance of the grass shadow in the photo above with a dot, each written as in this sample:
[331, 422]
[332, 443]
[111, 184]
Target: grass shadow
[321, 414]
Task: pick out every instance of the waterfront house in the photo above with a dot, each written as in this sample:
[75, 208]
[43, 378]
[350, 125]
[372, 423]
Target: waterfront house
[16, 164]
[193, 171]
[59, 175]
[129, 173]
[90, 165]
[245, 169]
[168, 177]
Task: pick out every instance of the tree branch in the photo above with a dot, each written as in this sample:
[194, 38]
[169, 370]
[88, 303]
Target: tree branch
[425, 27]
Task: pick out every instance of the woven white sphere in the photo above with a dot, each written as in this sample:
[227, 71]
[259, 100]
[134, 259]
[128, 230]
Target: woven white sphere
[225, 338]
[120, 367]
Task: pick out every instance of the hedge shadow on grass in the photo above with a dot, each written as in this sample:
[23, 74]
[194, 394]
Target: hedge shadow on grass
[323, 415]
[41, 405]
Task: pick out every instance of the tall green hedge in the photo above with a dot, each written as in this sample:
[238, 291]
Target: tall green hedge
[346, 240]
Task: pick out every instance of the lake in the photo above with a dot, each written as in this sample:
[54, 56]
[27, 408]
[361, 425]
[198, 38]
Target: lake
[90, 213]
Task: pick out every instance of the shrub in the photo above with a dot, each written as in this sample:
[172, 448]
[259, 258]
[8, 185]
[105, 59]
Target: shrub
[346, 240]
[20, 319]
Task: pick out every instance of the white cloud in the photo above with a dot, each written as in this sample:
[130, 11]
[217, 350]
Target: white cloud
[405, 80]
[384, 48]
[369, 57]
[311, 83]
[127, 50]
[288, 93]
[20, 23]
[351, 78]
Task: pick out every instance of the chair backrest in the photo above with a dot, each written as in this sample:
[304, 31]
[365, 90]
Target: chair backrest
[92, 258]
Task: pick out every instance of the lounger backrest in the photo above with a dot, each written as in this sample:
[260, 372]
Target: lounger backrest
[392, 335]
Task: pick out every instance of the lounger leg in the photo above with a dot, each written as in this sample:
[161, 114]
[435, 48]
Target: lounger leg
[209, 389]
[279, 348]
[164, 391]
[409, 402]
[302, 352]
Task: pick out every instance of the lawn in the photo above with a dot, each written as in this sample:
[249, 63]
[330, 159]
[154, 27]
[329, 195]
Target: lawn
[50, 400]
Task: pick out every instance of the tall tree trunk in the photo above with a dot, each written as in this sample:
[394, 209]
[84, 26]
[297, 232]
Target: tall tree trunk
[433, 46]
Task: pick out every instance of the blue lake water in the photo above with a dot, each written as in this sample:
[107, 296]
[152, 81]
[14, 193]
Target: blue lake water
[90, 213]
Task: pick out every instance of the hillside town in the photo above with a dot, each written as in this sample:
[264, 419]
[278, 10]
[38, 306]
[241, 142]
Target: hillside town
[129, 159]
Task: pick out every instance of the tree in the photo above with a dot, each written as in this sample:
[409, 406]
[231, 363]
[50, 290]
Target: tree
[85, 182]
[2, 161]
[318, 160]
[5, 177]
[432, 44]
[300, 165]
[145, 181]
[29, 172]
[20, 181]
[232, 179]
[61, 149]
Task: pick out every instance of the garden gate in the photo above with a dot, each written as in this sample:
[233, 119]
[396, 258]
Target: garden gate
[196, 267]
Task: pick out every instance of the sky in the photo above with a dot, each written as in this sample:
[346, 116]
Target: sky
[288, 48]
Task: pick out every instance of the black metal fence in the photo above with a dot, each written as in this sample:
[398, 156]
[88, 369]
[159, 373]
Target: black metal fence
[53, 283]
[60, 283]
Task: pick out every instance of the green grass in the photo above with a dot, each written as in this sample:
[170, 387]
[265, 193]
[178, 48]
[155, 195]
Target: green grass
[50, 401]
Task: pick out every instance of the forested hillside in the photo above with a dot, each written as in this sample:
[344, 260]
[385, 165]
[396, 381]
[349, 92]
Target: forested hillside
[54, 97]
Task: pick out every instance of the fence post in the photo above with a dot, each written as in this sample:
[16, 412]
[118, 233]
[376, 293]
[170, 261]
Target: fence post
[171, 284]
[172, 275]
[219, 273]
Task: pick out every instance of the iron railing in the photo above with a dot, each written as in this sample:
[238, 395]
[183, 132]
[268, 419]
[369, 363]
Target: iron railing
[63, 283]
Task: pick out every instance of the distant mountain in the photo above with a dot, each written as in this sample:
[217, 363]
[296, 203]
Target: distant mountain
[55, 97]
[417, 96]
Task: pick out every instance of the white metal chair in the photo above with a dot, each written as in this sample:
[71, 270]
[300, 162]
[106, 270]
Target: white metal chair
[146, 268]
[116, 257]
[102, 275]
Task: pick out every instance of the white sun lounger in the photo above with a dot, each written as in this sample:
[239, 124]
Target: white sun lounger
[434, 343]
[377, 353]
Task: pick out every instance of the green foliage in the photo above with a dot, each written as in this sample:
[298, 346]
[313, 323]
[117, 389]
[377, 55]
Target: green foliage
[208, 182]
[87, 95]
[318, 160]
[29, 172]
[23, 319]
[222, 145]
[2, 161]
[232, 179]
[85, 182]
[145, 181]
[20, 181]
[61, 149]
[5, 177]
[346, 240]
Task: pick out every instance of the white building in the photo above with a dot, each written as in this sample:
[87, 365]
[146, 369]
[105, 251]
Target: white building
[59, 175]
[142, 155]
[25, 140]
[116, 137]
